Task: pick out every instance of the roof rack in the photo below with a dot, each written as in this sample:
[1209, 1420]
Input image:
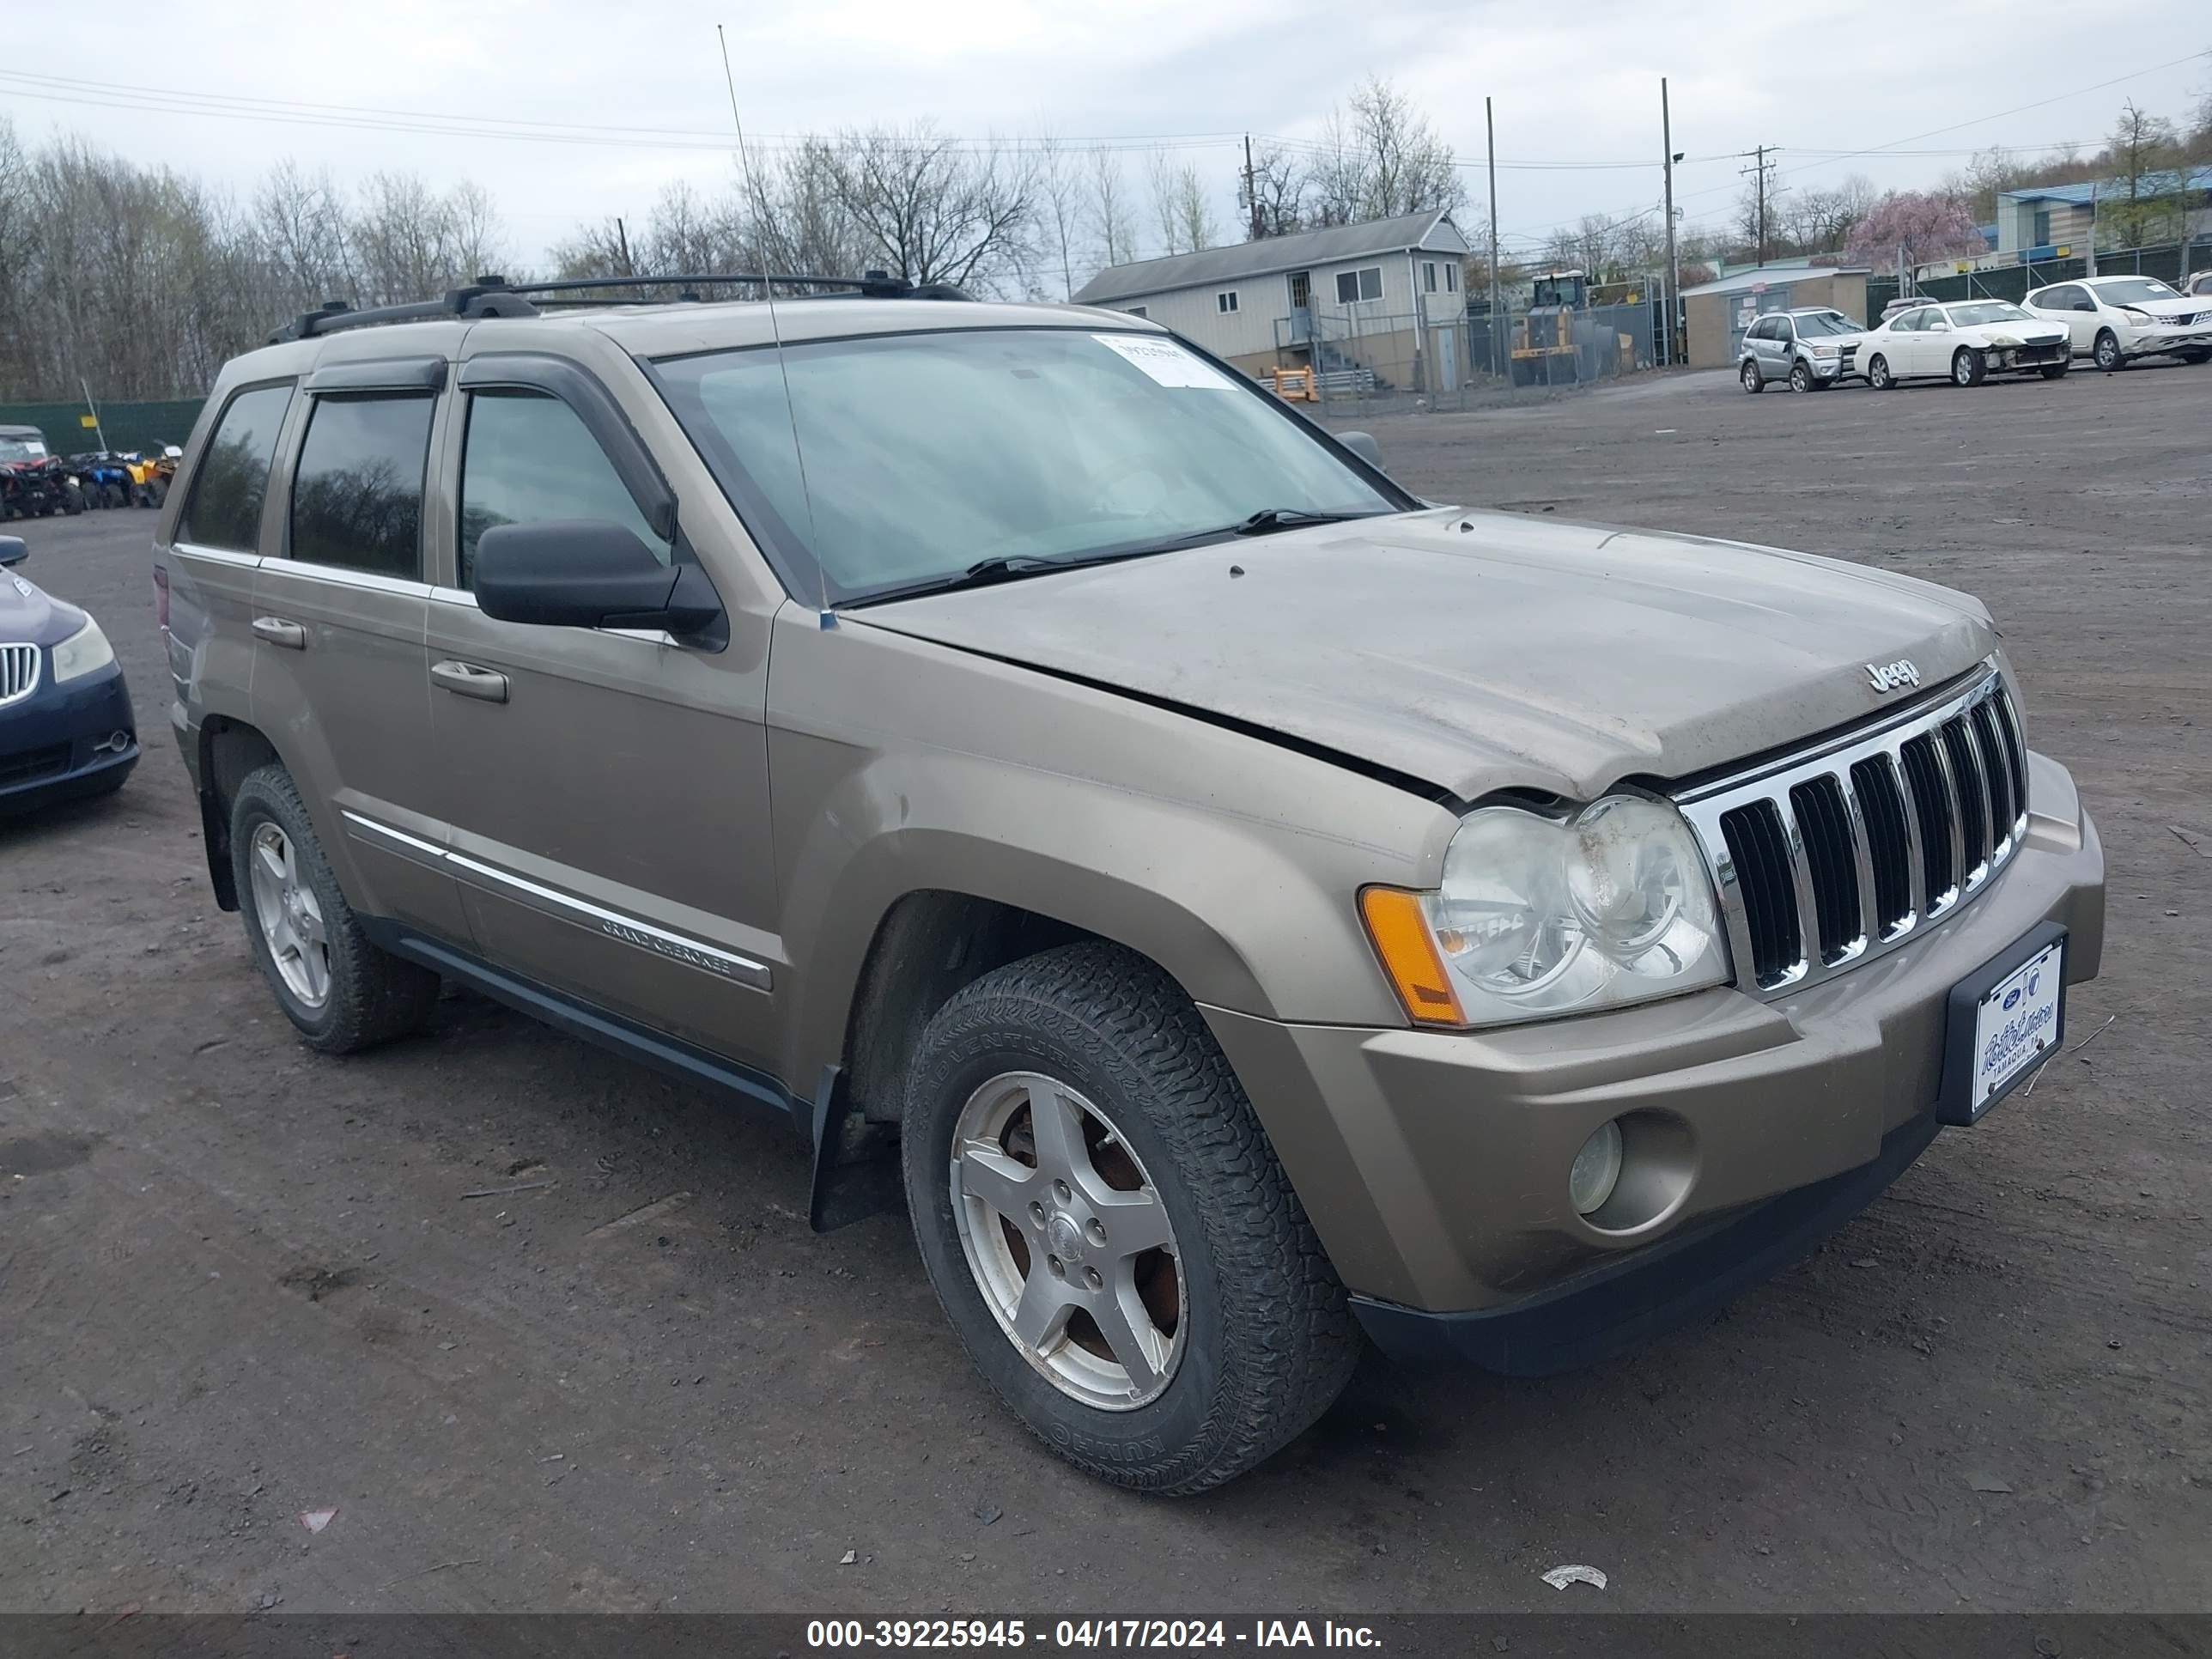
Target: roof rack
[495, 296]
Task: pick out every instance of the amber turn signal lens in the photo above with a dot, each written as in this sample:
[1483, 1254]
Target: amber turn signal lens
[1408, 950]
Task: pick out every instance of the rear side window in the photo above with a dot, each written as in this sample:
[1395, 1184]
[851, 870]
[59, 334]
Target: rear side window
[528, 458]
[224, 510]
[357, 495]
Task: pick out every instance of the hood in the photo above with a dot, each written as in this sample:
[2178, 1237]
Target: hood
[30, 615]
[1481, 650]
[2183, 306]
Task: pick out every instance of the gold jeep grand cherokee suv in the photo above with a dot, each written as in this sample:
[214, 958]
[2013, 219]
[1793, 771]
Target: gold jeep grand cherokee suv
[1267, 911]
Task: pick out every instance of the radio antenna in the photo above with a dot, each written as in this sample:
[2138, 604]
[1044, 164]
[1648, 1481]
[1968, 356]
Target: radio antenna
[829, 618]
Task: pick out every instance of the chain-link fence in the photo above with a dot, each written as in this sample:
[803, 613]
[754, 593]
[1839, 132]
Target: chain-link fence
[1460, 360]
[2173, 263]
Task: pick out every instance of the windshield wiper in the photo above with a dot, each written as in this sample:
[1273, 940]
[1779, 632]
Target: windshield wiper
[986, 573]
[1269, 519]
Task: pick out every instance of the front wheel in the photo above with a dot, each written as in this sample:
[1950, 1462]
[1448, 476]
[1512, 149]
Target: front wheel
[2055, 371]
[1750, 377]
[342, 992]
[2108, 355]
[1107, 1229]
[2195, 355]
[1968, 367]
[1878, 375]
[1801, 377]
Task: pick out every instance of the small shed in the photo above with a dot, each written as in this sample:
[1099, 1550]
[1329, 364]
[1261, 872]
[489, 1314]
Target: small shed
[1715, 314]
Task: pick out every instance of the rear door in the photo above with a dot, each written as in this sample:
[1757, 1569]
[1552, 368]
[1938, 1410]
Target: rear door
[607, 789]
[340, 682]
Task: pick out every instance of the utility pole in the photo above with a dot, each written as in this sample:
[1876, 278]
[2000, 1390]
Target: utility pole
[1673, 270]
[1252, 191]
[1497, 306]
[622, 241]
[1759, 168]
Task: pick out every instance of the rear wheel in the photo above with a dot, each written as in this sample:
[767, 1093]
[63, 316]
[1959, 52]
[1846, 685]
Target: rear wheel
[342, 992]
[1968, 367]
[1107, 1229]
[1878, 375]
[1801, 377]
[2108, 355]
[1750, 377]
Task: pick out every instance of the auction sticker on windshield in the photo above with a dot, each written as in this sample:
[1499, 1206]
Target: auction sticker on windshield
[1166, 362]
[2018, 1018]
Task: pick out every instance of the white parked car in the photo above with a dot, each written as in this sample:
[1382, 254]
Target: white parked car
[1963, 341]
[2116, 319]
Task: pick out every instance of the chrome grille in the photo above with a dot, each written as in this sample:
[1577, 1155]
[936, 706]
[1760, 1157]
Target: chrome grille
[19, 673]
[1827, 859]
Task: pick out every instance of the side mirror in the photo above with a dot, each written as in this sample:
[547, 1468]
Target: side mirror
[577, 573]
[13, 551]
[1362, 445]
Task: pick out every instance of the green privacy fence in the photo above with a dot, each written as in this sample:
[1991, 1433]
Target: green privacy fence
[128, 426]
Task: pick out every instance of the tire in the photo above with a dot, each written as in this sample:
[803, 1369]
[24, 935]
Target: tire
[1968, 367]
[1262, 1340]
[2107, 354]
[113, 497]
[2055, 371]
[1750, 377]
[1801, 377]
[160, 491]
[2195, 355]
[1878, 375]
[368, 995]
[73, 502]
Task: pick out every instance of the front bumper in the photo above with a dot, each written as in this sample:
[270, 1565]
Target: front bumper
[1433, 1164]
[61, 743]
[2158, 342]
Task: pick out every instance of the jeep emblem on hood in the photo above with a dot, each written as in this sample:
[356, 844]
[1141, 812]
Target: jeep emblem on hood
[1890, 675]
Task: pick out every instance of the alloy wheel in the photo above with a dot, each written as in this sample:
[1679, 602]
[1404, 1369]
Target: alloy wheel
[290, 917]
[1068, 1241]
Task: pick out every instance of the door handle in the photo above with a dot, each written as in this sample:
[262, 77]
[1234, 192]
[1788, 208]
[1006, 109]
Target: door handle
[467, 680]
[277, 631]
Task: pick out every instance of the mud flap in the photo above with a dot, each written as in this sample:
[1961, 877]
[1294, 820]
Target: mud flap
[844, 1191]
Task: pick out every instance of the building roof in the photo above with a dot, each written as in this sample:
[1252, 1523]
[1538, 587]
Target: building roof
[2151, 184]
[1743, 281]
[1240, 260]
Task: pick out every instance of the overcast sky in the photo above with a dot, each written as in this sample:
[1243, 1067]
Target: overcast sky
[1572, 84]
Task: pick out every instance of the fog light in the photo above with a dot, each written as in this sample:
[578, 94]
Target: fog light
[1596, 1168]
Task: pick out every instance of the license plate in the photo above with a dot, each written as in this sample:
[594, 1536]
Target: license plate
[2005, 1020]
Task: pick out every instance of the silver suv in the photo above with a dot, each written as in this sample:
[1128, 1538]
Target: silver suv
[1811, 348]
[1248, 907]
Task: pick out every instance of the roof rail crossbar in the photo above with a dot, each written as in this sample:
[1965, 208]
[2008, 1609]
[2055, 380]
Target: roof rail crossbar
[495, 296]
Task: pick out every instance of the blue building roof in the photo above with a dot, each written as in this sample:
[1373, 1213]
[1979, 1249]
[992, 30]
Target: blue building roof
[2152, 184]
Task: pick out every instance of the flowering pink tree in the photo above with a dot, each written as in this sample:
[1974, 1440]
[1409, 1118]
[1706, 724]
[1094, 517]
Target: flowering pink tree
[1925, 224]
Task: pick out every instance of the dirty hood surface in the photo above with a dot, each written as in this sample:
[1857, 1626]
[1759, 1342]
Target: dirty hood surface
[28, 616]
[1480, 650]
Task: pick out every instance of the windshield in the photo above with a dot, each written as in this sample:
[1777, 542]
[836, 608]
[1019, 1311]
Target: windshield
[925, 454]
[2134, 290]
[1814, 324]
[1988, 311]
[21, 449]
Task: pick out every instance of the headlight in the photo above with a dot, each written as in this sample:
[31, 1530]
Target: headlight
[82, 653]
[1539, 916]
[1823, 350]
[2139, 317]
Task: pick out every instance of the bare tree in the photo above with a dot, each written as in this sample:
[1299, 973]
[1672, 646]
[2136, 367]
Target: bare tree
[936, 212]
[1060, 207]
[1112, 216]
[1379, 158]
[1167, 219]
[1193, 208]
[1271, 200]
[2148, 203]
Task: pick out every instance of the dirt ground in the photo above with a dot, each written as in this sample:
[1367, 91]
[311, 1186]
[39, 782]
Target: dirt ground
[239, 1282]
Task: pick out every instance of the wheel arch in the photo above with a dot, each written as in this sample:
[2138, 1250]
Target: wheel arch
[230, 749]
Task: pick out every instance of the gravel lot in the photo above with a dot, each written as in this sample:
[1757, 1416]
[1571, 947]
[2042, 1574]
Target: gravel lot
[239, 1282]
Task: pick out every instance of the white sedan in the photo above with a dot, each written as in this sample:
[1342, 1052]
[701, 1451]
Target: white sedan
[2115, 320]
[1963, 341]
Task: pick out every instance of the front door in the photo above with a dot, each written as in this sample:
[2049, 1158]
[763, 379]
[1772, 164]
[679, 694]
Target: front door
[608, 790]
[338, 674]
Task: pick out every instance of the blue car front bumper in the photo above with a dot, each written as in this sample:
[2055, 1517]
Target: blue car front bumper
[65, 741]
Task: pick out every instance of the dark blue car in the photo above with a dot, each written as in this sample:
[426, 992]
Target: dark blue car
[66, 729]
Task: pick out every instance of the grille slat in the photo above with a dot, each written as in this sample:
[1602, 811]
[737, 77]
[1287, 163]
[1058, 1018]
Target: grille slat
[19, 673]
[1889, 844]
[1827, 861]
